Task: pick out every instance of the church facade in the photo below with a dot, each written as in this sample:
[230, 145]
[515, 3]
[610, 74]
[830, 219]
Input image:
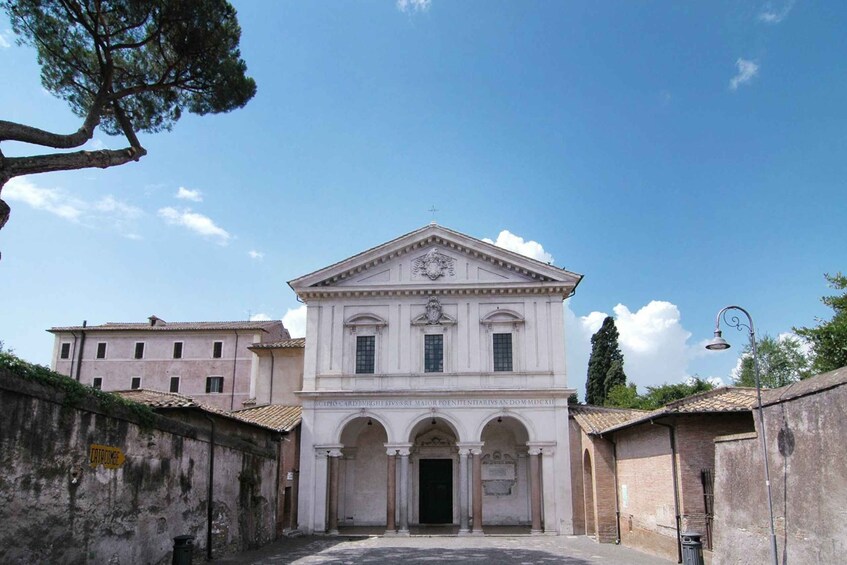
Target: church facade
[435, 390]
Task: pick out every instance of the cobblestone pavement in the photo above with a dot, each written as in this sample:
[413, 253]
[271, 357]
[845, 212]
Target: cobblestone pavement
[489, 550]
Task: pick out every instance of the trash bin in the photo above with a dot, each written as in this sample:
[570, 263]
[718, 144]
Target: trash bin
[183, 550]
[692, 549]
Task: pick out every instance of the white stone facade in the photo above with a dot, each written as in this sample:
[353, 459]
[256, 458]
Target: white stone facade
[470, 430]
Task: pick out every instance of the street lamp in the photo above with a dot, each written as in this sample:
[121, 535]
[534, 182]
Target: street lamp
[718, 343]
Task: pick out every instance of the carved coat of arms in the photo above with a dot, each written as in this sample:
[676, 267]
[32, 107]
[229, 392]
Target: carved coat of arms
[433, 265]
[433, 311]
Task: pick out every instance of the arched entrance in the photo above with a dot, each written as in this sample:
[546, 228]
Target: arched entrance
[434, 473]
[505, 473]
[363, 474]
[588, 484]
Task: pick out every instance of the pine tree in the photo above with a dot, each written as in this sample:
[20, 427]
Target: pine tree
[606, 363]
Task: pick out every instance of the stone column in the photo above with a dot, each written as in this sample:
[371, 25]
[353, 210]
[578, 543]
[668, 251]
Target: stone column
[463, 491]
[404, 491]
[535, 488]
[332, 519]
[477, 490]
[391, 499]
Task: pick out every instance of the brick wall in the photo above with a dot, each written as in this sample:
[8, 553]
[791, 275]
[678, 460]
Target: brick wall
[645, 483]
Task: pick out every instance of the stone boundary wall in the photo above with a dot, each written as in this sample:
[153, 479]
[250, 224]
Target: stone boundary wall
[56, 508]
[805, 448]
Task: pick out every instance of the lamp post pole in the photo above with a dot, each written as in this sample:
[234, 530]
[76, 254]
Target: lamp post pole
[719, 343]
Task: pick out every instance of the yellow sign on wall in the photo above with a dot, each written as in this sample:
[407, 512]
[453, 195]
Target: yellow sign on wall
[109, 457]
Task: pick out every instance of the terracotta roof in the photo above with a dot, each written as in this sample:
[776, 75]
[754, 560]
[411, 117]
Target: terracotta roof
[594, 419]
[161, 326]
[157, 399]
[812, 385]
[160, 399]
[276, 416]
[719, 400]
[297, 342]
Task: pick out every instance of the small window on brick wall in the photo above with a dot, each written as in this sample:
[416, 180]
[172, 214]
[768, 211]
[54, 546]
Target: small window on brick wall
[177, 350]
[135, 383]
[139, 350]
[101, 350]
[97, 383]
[65, 351]
[217, 349]
[174, 384]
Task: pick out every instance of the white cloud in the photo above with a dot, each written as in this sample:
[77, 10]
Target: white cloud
[198, 223]
[653, 342]
[5, 39]
[187, 194]
[108, 211]
[410, 6]
[53, 200]
[258, 255]
[295, 321]
[775, 12]
[260, 317]
[512, 242]
[746, 71]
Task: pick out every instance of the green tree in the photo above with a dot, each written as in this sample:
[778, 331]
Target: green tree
[127, 66]
[829, 337]
[781, 362]
[606, 362]
[626, 396]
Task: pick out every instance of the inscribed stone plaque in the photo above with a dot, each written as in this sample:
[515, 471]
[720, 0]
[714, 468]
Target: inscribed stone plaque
[498, 471]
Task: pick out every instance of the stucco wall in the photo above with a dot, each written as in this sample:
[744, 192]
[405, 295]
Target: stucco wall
[157, 366]
[808, 480]
[56, 508]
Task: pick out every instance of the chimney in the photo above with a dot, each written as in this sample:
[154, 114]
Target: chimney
[154, 320]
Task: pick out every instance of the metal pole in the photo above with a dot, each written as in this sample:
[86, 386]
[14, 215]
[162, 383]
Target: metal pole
[736, 323]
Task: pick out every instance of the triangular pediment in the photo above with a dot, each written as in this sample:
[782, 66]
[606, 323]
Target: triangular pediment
[434, 257]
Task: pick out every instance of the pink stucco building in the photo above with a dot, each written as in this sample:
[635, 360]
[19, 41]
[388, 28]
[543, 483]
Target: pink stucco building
[211, 362]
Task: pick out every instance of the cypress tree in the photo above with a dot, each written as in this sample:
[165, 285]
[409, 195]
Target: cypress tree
[605, 367]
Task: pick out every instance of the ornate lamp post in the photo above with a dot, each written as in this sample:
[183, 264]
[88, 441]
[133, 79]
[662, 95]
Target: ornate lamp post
[718, 343]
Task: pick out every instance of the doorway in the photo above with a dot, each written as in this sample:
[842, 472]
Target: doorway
[436, 491]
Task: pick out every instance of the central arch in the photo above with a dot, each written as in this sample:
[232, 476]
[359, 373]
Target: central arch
[434, 472]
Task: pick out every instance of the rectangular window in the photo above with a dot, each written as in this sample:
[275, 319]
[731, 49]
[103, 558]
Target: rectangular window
[433, 353]
[66, 351]
[174, 384]
[101, 350]
[139, 350]
[177, 350]
[214, 384]
[365, 354]
[217, 349]
[97, 383]
[136, 383]
[502, 352]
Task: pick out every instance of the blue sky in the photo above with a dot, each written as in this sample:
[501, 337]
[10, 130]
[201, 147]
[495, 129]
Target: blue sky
[681, 156]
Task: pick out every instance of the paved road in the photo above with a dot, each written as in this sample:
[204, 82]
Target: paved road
[489, 550]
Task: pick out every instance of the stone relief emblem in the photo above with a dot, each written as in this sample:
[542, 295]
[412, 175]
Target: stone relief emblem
[433, 311]
[433, 265]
